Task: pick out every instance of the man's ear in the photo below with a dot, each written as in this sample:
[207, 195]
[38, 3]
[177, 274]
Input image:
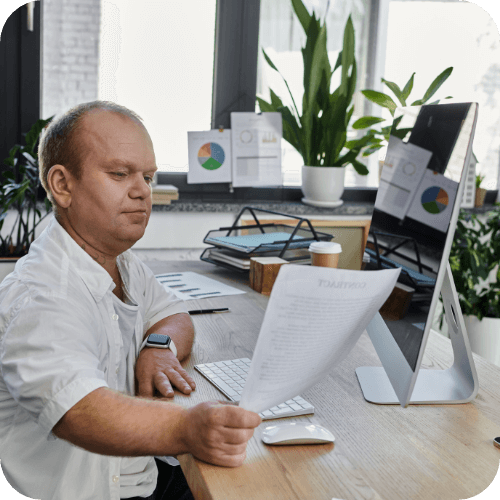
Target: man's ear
[60, 183]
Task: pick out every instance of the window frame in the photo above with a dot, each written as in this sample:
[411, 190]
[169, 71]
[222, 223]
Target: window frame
[234, 89]
[20, 57]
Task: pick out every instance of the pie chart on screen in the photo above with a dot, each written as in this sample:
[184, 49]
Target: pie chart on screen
[211, 156]
[435, 200]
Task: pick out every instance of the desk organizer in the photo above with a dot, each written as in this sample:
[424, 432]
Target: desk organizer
[232, 247]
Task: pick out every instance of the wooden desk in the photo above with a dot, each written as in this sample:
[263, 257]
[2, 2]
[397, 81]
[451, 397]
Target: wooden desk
[380, 452]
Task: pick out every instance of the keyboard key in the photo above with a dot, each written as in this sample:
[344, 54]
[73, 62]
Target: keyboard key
[281, 411]
[266, 413]
[228, 390]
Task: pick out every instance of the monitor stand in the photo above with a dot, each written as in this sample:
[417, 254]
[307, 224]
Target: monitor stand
[458, 384]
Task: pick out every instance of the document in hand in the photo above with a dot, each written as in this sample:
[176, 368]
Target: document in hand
[314, 318]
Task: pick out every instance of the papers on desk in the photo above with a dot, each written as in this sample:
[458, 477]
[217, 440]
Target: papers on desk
[314, 318]
[192, 286]
[247, 155]
[256, 149]
[209, 155]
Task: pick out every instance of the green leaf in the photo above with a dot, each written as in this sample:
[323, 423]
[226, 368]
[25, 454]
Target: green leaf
[366, 121]
[302, 14]
[317, 66]
[286, 83]
[264, 106]
[408, 87]
[381, 99]
[347, 54]
[267, 58]
[291, 131]
[372, 150]
[396, 90]
[434, 86]
[34, 133]
[359, 167]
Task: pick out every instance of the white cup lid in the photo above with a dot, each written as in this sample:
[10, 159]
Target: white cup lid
[325, 247]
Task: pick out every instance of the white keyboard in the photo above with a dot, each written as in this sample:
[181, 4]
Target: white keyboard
[230, 376]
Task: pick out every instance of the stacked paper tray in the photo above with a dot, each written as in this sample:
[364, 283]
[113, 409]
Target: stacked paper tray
[259, 243]
[234, 246]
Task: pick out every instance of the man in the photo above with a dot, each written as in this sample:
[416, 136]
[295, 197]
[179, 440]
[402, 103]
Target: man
[73, 319]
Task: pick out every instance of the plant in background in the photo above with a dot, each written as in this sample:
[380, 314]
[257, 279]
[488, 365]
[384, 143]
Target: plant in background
[479, 180]
[378, 138]
[474, 262]
[19, 186]
[319, 134]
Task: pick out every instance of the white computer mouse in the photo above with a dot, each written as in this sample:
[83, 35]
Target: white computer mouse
[296, 433]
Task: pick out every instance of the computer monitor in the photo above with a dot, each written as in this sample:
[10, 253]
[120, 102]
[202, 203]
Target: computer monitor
[413, 224]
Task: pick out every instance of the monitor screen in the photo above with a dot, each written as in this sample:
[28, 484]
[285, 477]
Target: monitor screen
[413, 209]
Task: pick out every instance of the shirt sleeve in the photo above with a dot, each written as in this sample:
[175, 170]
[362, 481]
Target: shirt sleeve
[49, 356]
[159, 303]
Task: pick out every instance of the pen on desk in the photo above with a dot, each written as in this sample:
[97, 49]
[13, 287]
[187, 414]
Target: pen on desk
[209, 311]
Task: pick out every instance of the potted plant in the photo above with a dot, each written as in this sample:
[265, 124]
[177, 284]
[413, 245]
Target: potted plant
[19, 186]
[377, 138]
[319, 132]
[480, 192]
[474, 262]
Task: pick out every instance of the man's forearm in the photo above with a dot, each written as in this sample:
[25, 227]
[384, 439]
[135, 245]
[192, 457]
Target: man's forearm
[180, 329]
[111, 423]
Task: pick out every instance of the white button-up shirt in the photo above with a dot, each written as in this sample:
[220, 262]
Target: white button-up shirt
[60, 340]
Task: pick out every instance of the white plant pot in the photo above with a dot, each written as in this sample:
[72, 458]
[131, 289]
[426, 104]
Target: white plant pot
[323, 186]
[484, 337]
[6, 267]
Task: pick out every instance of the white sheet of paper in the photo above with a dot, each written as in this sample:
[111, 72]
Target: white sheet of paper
[191, 286]
[256, 149]
[404, 168]
[209, 155]
[314, 318]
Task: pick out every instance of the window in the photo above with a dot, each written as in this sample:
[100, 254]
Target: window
[458, 34]
[154, 57]
[102, 49]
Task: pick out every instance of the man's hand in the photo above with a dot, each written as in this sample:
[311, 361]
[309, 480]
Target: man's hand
[159, 369]
[217, 433]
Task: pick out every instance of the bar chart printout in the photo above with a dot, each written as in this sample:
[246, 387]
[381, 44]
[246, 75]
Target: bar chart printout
[192, 286]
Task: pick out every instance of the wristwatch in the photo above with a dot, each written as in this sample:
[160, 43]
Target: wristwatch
[160, 341]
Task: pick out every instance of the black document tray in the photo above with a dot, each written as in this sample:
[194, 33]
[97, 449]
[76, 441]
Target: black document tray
[262, 239]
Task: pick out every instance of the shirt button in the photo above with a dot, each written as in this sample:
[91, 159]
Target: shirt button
[115, 317]
[117, 370]
[115, 479]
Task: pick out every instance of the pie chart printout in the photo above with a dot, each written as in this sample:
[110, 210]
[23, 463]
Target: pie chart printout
[211, 156]
[435, 200]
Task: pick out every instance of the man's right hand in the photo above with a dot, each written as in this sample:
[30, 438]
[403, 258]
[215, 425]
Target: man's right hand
[217, 432]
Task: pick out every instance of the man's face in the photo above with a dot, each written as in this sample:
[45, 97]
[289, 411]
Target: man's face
[111, 202]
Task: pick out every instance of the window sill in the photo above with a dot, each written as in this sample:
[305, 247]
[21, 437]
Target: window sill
[288, 207]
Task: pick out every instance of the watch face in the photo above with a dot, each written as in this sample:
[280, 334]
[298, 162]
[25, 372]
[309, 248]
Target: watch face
[160, 340]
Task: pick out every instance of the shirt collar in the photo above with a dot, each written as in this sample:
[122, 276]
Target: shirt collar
[95, 277]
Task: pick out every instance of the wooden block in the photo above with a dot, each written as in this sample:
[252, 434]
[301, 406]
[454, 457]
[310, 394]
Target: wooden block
[396, 306]
[263, 273]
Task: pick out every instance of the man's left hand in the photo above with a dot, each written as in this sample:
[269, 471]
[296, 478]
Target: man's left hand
[159, 369]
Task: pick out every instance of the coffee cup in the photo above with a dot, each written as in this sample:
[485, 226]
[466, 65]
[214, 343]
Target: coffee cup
[325, 253]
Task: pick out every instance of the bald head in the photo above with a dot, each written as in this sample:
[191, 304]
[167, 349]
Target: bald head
[62, 144]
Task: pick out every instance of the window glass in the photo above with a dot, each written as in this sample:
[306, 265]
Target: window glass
[153, 56]
[282, 37]
[458, 34]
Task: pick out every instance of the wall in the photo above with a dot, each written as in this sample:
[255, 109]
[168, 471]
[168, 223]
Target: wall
[70, 47]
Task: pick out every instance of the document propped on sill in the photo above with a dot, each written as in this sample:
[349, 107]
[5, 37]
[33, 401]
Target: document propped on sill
[314, 318]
